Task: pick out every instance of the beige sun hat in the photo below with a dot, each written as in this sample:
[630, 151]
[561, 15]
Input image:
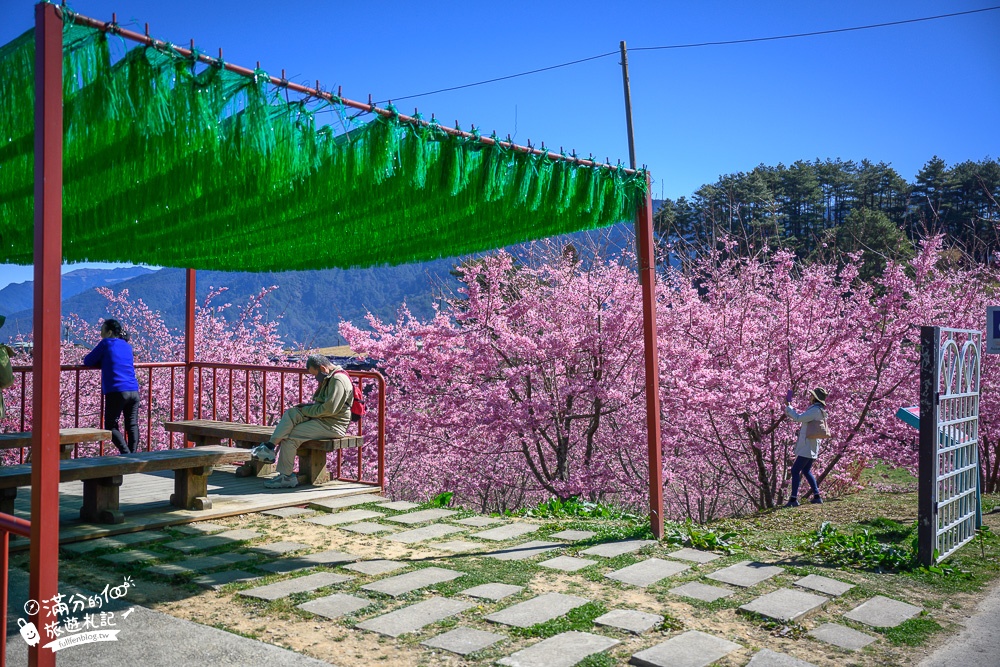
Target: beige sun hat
[820, 394]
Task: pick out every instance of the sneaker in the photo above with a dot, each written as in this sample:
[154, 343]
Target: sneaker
[264, 452]
[816, 500]
[282, 482]
[792, 502]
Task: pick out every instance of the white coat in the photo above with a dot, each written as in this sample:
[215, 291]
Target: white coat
[807, 447]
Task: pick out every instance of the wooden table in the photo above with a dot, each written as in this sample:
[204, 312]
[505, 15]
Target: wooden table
[68, 437]
[102, 478]
[311, 454]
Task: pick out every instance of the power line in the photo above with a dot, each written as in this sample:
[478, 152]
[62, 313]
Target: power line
[814, 34]
[701, 44]
[504, 78]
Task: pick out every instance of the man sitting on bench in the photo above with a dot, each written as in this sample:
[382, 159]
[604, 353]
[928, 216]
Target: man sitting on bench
[328, 416]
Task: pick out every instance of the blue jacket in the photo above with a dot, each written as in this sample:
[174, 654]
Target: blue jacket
[114, 357]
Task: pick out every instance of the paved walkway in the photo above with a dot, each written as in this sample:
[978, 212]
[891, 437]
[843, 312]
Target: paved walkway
[979, 644]
[459, 603]
[153, 639]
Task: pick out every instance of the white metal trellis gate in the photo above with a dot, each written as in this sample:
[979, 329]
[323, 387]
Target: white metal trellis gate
[949, 504]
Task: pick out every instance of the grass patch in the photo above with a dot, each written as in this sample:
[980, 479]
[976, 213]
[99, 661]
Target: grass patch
[580, 619]
[597, 660]
[913, 632]
[485, 571]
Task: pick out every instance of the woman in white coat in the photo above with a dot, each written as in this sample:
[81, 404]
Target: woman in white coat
[807, 447]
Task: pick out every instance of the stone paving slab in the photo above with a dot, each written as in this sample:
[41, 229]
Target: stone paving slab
[478, 521]
[289, 512]
[814, 582]
[507, 532]
[335, 606]
[200, 528]
[133, 556]
[573, 535]
[691, 649]
[567, 563]
[842, 636]
[430, 532]
[746, 573]
[219, 579]
[882, 612]
[647, 572]
[492, 591]
[463, 641]
[350, 516]
[768, 658]
[331, 557]
[279, 548]
[399, 505]
[537, 610]
[421, 517]
[612, 549]
[629, 620]
[402, 584]
[346, 501]
[785, 604]
[192, 544]
[415, 616]
[310, 582]
[563, 650]
[524, 551]
[694, 555]
[116, 542]
[198, 564]
[700, 591]
[368, 528]
[456, 546]
[379, 566]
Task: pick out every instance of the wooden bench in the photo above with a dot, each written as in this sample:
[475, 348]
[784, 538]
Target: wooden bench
[68, 437]
[312, 454]
[102, 478]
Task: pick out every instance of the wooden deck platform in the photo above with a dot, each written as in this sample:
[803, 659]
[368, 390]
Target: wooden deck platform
[145, 502]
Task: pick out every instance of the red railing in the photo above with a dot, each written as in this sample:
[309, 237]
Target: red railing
[8, 524]
[231, 392]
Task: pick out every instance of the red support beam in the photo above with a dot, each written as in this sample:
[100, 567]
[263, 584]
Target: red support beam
[44, 574]
[189, 301]
[647, 276]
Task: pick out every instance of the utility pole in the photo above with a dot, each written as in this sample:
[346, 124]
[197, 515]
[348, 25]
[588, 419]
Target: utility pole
[646, 257]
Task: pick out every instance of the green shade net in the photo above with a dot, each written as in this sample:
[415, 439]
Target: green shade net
[170, 164]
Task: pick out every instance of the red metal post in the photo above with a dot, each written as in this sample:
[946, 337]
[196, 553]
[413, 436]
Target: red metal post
[189, 348]
[647, 272]
[44, 575]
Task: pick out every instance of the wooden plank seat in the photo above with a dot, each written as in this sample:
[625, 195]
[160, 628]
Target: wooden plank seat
[68, 437]
[311, 454]
[102, 478]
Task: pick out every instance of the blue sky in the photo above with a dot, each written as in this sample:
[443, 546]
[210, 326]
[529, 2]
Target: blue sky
[898, 94]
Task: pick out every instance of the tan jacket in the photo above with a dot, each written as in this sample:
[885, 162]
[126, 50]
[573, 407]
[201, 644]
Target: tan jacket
[7, 375]
[331, 404]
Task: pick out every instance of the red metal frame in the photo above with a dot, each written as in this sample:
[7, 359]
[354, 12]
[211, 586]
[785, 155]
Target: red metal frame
[224, 380]
[8, 524]
[189, 301]
[44, 570]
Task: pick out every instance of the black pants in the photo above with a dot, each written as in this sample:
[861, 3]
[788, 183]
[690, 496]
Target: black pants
[117, 403]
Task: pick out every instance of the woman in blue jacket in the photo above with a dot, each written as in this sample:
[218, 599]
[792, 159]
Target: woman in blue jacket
[113, 355]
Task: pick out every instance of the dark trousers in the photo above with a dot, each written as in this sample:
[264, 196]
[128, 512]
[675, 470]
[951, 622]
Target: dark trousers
[116, 404]
[803, 466]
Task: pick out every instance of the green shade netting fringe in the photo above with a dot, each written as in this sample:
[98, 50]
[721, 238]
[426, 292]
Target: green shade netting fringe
[170, 164]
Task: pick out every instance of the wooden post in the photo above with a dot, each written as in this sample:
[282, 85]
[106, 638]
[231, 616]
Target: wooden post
[44, 575]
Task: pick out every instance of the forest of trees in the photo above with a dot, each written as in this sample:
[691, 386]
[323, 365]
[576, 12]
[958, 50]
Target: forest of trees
[825, 207]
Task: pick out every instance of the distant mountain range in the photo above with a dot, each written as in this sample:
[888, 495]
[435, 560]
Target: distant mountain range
[309, 305]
